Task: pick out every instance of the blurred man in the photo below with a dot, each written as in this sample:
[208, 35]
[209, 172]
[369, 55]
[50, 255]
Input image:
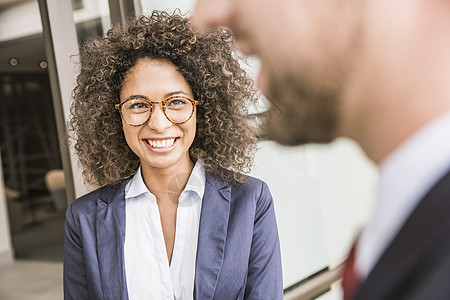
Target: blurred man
[376, 71]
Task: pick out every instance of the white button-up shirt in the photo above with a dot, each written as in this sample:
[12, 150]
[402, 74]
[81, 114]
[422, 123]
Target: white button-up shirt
[405, 178]
[148, 273]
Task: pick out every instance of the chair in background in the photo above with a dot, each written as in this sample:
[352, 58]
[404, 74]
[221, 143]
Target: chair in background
[56, 185]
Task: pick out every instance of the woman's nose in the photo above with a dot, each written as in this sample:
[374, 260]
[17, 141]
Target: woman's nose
[158, 120]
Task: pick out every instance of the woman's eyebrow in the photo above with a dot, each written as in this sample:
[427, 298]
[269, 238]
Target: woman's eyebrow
[165, 96]
[137, 97]
[175, 93]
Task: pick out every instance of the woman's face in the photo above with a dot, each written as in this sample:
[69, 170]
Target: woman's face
[159, 143]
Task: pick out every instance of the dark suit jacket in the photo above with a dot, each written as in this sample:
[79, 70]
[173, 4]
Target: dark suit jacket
[417, 263]
[238, 254]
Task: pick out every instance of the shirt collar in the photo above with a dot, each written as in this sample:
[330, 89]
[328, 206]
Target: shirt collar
[196, 183]
[197, 179]
[412, 170]
[136, 186]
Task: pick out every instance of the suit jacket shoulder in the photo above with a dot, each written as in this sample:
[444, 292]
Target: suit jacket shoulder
[416, 265]
[93, 247]
[106, 193]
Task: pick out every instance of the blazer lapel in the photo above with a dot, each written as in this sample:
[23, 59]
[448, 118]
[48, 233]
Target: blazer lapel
[212, 236]
[400, 260]
[110, 240]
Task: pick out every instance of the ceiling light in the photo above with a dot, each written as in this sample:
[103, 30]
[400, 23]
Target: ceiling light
[13, 61]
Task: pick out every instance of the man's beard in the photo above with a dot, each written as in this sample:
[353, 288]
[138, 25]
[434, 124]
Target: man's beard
[301, 114]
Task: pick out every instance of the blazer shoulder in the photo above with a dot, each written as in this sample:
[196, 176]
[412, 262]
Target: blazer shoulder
[252, 183]
[253, 188]
[88, 202]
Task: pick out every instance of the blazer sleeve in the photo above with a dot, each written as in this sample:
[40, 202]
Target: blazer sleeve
[74, 278]
[264, 279]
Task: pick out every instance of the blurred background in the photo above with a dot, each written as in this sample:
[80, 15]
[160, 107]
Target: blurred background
[322, 193]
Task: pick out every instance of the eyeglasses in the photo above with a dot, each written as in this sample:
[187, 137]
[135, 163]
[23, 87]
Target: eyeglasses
[137, 111]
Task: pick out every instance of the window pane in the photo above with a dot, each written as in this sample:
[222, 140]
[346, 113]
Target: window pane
[92, 19]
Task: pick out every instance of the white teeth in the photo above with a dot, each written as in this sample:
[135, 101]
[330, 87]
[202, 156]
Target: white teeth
[161, 143]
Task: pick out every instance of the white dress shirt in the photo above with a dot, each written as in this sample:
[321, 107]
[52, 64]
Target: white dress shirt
[148, 273]
[405, 178]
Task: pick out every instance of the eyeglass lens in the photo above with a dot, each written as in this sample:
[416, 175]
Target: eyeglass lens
[138, 111]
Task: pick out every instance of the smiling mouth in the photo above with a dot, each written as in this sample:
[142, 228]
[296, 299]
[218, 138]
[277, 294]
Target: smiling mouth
[161, 143]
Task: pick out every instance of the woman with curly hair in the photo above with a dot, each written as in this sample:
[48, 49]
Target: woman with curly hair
[159, 122]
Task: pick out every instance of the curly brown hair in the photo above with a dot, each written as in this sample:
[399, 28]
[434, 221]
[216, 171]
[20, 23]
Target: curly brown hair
[224, 140]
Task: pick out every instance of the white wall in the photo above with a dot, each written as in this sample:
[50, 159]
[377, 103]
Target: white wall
[348, 182]
[20, 20]
[322, 195]
[6, 253]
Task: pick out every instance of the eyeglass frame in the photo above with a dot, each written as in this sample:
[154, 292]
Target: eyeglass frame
[163, 105]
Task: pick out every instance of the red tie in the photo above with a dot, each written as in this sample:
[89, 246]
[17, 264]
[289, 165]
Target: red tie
[350, 278]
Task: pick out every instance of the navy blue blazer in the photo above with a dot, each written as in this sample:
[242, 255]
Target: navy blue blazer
[238, 253]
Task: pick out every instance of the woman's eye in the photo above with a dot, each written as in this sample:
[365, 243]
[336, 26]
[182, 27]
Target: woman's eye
[175, 102]
[138, 105]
